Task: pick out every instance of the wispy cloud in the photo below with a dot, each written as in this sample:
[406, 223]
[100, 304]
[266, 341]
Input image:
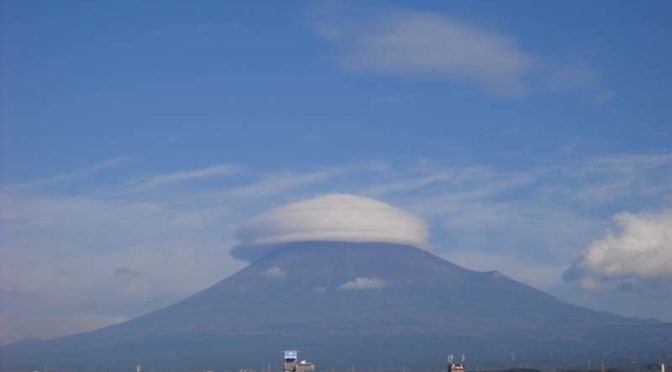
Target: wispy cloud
[409, 43]
[69, 177]
[577, 76]
[180, 242]
[571, 76]
[176, 243]
[216, 171]
[280, 182]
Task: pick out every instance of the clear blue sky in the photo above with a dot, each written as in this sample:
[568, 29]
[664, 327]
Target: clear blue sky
[254, 82]
[517, 130]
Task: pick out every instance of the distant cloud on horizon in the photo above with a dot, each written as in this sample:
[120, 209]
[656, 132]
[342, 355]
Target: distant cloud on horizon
[636, 250]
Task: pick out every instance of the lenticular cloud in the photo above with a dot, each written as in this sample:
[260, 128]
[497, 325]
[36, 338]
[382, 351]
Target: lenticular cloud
[335, 217]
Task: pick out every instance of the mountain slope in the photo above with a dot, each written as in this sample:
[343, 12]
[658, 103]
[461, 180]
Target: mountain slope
[374, 303]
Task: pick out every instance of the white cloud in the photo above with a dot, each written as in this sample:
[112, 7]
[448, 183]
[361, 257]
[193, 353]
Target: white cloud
[603, 96]
[71, 177]
[274, 272]
[571, 77]
[409, 43]
[196, 174]
[281, 182]
[334, 217]
[414, 44]
[579, 77]
[362, 284]
[637, 249]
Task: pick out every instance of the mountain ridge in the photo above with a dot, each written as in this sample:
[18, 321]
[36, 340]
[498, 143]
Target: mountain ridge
[402, 304]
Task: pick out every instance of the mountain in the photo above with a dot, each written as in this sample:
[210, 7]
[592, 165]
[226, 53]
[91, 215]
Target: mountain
[341, 304]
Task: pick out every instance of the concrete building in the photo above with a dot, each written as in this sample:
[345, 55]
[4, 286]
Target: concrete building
[455, 367]
[292, 365]
[290, 361]
[305, 366]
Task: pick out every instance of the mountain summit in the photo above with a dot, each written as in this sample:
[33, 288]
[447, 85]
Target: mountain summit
[344, 303]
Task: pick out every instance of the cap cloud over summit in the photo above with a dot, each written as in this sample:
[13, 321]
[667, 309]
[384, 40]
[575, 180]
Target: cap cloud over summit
[333, 217]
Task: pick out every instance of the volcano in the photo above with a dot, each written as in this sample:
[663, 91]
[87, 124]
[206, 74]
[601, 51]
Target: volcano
[343, 304]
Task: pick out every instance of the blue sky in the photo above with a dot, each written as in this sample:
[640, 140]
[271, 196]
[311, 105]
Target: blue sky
[135, 137]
